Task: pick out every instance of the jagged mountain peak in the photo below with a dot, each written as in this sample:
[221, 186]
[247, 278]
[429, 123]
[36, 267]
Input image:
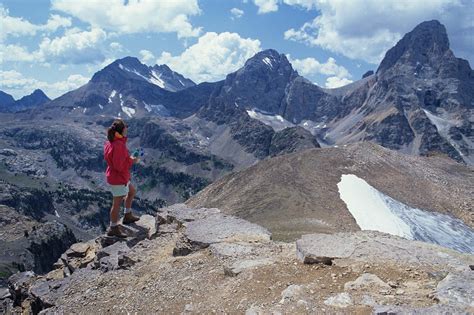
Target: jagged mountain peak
[427, 42]
[39, 93]
[269, 59]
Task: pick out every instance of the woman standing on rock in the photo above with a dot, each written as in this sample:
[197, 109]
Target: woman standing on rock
[119, 163]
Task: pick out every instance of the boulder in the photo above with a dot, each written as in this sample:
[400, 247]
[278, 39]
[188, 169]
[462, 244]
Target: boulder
[339, 300]
[322, 248]
[366, 280]
[113, 257]
[291, 293]
[377, 247]
[457, 289]
[242, 265]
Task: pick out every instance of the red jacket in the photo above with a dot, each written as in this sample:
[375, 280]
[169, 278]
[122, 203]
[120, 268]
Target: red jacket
[118, 161]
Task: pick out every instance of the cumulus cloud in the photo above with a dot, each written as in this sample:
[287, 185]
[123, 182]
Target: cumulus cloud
[335, 82]
[236, 13]
[266, 6]
[146, 56]
[76, 46]
[17, 26]
[310, 67]
[135, 16]
[16, 84]
[213, 56]
[366, 29]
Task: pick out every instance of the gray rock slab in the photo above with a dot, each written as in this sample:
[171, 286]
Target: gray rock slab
[339, 300]
[371, 246]
[322, 248]
[225, 249]
[291, 293]
[182, 213]
[242, 265]
[221, 228]
[78, 250]
[457, 289]
[366, 280]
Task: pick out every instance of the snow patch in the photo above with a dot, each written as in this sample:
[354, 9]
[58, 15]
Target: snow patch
[128, 110]
[374, 210]
[56, 213]
[275, 121]
[156, 79]
[268, 62]
[85, 110]
[112, 95]
[101, 107]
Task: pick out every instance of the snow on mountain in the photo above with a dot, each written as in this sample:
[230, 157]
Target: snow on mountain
[374, 210]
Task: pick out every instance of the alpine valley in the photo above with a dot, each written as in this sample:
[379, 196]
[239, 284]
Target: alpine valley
[265, 147]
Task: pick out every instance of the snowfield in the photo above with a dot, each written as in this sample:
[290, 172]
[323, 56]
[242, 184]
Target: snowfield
[374, 210]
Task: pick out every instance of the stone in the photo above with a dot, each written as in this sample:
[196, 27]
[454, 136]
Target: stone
[366, 280]
[182, 213]
[167, 228]
[145, 225]
[340, 300]
[78, 250]
[457, 289]
[5, 294]
[19, 284]
[55, 274]
[240, 266]
[221, 228]
[377, 247]
[319, 248]
[112, 257]
[291, 293]
[225, 249]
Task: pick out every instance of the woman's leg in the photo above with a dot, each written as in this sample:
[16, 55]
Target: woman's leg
[131, 194]
[115, 210]
[129, 217]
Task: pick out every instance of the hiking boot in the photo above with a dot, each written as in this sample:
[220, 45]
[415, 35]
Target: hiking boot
[116, 231]
[129, 218]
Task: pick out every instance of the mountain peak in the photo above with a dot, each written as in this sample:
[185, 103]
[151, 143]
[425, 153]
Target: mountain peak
[427, 41]
[269, 59]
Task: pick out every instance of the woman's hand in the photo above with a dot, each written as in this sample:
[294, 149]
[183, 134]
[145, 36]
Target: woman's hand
[135, 159]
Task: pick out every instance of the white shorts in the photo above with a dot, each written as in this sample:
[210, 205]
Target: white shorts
[119, 190]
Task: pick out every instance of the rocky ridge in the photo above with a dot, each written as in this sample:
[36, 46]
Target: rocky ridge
[173, 264]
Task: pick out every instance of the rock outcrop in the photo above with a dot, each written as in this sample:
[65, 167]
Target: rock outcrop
[241, 269]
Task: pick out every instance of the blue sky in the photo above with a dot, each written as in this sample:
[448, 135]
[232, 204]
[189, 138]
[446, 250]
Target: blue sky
[58, 45]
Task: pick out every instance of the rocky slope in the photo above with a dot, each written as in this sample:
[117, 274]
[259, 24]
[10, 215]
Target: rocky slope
[298, 193]
[176, 266]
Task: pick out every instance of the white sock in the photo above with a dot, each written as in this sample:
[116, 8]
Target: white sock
[128, 210]
[113, 223]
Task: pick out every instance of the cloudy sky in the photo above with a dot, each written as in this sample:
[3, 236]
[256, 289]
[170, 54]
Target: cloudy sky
[57, 45]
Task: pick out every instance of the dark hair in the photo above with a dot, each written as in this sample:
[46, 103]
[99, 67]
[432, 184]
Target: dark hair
[117, 126]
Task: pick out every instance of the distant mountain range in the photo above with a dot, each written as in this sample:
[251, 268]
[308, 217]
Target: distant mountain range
[419, 101]
[35, 99]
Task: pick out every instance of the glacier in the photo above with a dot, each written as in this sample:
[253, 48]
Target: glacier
[373, 210]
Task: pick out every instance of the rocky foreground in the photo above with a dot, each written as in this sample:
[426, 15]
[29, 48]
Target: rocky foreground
[202, 261]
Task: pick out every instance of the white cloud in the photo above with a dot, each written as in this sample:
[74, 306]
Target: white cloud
[14, 83]
[135, 16]
[16, 53]
[307, 4]
[17, 26]
[266, 6]
[146, 56]
[335, 82]
[366, 29]
[213, 56]
[74, 47]
[311, 66]
[236, 13]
